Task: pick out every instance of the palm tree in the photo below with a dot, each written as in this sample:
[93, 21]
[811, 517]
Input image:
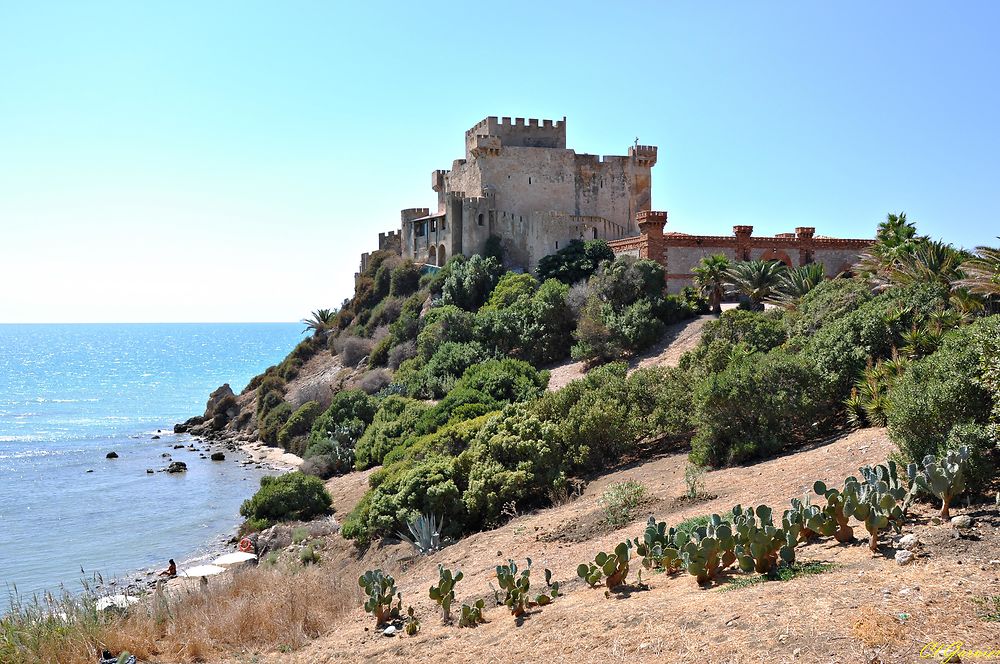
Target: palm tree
[798, 281]
[710, 277]
[320, 322]
[756, 280]
[982, 272]
[932, 261]
[895, 238]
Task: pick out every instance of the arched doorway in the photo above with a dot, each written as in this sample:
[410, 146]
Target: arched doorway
[432, 256]
[777, 255]
[442, 255]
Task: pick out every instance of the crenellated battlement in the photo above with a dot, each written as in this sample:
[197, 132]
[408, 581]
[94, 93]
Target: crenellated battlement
[519, 132]
[438, 179]
[644, 154]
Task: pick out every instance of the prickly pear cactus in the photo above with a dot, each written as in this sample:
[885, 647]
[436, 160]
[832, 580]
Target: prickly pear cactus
[472, 615]
[612, 567]
[444, 592]
[657, 547]
[944, 478]
[759, 543]
[381, 589]
[877, 508]
[813, 522]
[517, 586]
[412, 624]
[710, 550]
[834, 510]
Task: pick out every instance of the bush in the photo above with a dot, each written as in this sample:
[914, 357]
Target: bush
[288, 497]
[405, 279]
[299, 423]
[514, 461]
[620, 500]
[394, 425]
[828, 301]
[438, 376]
[510, 288]
[329, 457]
[373, 381]
[575, 262]
[401, 352]
[494, 248]
[441, 325]
[756, 406]
[938, 393]
[273, 421]
[405, 491]
[469, 284]
[349, 413]
[759, 331]
[353, 349]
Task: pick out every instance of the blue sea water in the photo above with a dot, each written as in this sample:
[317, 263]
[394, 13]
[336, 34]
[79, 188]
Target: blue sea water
[69, 394]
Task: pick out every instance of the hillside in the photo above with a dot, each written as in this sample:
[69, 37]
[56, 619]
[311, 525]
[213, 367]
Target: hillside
[809, 619]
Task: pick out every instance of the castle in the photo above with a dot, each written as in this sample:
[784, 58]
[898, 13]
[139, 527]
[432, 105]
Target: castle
[520, 183]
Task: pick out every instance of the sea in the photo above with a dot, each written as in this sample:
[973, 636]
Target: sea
[69, 395]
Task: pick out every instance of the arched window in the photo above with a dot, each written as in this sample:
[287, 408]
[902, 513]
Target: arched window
[442, 255]
[480, 218]
[432, 255]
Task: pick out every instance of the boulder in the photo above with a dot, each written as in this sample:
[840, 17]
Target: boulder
[111, 455]
[216, 397]
[149, 471]
[218, 456]
[155, 437]
[177, 467]
[909, 542]
[188, 424]
[904, 557]
[962, 521]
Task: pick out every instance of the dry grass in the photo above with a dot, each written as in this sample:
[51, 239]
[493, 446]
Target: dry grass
[877, 629]
[255, 610]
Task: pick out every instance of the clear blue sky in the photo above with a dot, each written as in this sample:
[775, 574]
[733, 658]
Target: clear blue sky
[229, 161]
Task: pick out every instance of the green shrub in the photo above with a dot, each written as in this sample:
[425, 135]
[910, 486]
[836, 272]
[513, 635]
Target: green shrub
[938, 393]
[441, 325]
[394, 425]
[825, 303]
[272, 423]
[515, 460]
[299, 423]
[379, 356]
[270, 393]
[660, 402]
[470, 283]
[350, 410]
[289, 497]
[759, 331]
[405, 279]
[402, 492]
[575, 262]
[510, 288]
[438, 375]
[620, 500]
[756, 406]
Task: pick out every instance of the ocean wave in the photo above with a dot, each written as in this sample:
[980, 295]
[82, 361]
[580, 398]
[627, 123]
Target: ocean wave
[34, 454]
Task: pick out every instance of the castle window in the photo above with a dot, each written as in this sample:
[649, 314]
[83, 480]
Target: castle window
[480, 218]
[595, 233]
[557, 245]
[529, 179]
[442, 223]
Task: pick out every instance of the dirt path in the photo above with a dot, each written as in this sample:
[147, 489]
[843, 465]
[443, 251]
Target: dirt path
[678, 339]
[808, 619]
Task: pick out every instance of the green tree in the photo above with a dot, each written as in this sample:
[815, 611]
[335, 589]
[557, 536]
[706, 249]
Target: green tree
[320, 322]
[982, 272]
[798, 281]
[756, 280]
[710, 275]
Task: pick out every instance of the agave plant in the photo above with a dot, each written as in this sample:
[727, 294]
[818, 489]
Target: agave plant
[425, 533]
[711, 279]
[756, 280]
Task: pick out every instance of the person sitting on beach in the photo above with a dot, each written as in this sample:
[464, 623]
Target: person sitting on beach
[171, 570]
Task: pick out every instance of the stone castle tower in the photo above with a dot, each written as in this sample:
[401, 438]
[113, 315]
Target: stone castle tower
[519, 182]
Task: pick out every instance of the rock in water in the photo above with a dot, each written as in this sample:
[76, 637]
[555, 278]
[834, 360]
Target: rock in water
[149, 471]
[218, 456]
[111, 455]
[962, 521]
[904, 557]
[215, 398]
[177, 467]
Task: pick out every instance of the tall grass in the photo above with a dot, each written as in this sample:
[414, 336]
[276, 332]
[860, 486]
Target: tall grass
[255, 610]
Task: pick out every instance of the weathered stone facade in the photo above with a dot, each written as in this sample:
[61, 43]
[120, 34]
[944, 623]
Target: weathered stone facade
[519, 182]
[680, 252]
